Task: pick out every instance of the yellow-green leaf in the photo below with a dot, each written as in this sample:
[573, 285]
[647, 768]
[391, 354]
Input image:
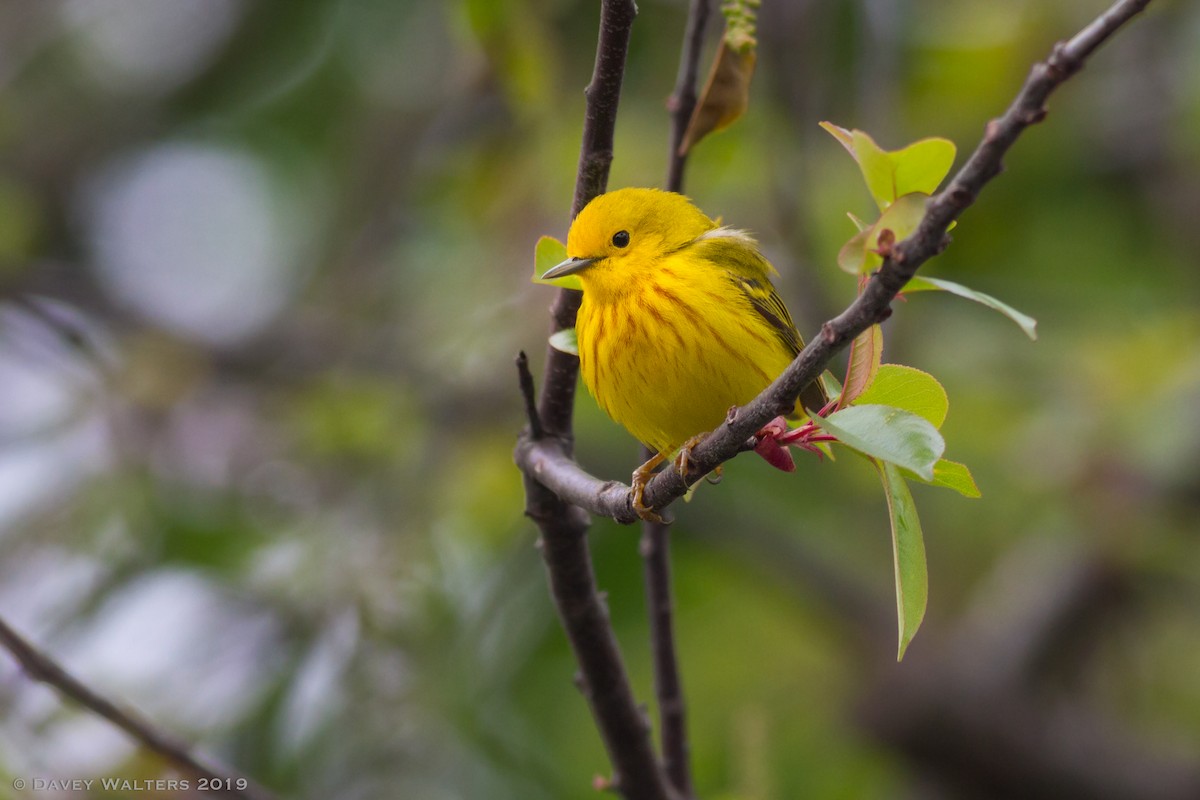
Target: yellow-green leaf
[842, 135]
[852, 257]
[548, 253]
[876, 168]
[833, 387]
[565, 341]
[922, 166]
[951, 475]
[908, 553]
[1026, 322]
[888, 434]
[861, 253]
[866, 351]
[910, 389]
[891, 174]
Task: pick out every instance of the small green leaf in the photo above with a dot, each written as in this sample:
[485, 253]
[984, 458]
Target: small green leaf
[952, 475]
[1026, 322]
[548, 253]
[866, 351]
[565, 341]
[852, 257]
[922, 166]
[833, 387]
[910, 389]
[876, 168]
[889, 434]
[842, 135]
[908, 552]
[901, 218]
[891, 174]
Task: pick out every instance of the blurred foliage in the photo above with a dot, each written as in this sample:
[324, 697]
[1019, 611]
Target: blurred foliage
[263, 272]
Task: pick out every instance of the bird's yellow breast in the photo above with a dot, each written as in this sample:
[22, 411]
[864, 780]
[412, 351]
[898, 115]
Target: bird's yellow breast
[673, 346]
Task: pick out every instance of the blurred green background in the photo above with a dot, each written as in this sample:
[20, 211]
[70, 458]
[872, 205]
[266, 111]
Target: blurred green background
[264, 267]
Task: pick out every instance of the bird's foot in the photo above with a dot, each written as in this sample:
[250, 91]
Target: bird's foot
[641, 477]
[682, 460]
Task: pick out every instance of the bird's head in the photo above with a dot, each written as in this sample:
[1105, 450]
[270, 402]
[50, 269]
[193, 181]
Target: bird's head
[621, 233]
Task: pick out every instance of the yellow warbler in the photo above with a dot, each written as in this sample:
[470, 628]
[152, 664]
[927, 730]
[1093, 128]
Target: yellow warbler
[679, 320]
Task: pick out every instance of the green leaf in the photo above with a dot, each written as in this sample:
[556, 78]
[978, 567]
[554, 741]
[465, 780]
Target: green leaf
[866, 351]
[910, 389]
[889, 434]
[901, 218]
[952, 475]
[908, 552]
[891, 174]
[565, 341]
[858, 223]
[845, 137]
[877, 169]
[1027, 323]
[852, 257]
[922, 166]
[833, 387]
[548, 253]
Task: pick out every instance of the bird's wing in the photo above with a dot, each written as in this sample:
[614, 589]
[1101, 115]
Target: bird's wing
[737, 253]
[766, 301]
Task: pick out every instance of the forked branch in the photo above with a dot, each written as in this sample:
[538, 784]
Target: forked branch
[559, 492]
[559, 473]
[623, 726]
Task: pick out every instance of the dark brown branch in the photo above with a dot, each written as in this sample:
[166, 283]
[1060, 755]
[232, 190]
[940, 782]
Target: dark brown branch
[549, 464]
[668, 687]
[623, 726]
[40, 667]
[656, 536]
[682, 102]
[873, 303]
[603, 94]
[530, 395]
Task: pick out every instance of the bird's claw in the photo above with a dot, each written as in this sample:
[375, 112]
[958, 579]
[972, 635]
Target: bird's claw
[641, 477]
[682, 460]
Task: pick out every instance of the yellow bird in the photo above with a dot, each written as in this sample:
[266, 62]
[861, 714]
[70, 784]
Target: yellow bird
[679, 320]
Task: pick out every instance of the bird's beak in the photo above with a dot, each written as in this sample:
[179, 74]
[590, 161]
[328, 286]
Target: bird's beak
[568, 267]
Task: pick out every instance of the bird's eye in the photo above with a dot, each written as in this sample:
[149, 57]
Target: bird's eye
[621, 238]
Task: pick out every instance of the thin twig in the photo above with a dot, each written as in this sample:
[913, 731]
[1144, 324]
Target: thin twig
[683, 99]
[871, 306]
[530, 394]
[603, 93]
[623, 726]
[668, 687]
[41, 667]
[656, 536]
